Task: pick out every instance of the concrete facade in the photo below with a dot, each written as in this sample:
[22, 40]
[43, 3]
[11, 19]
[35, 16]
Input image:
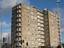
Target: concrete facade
[54, 27]
[32, 28]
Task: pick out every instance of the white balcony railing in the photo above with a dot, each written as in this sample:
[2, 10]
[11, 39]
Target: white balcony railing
[40, 21]
[40, 17]
[41, 44]
[40, 28]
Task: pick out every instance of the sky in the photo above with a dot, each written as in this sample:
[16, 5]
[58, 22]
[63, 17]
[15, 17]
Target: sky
[6, 5]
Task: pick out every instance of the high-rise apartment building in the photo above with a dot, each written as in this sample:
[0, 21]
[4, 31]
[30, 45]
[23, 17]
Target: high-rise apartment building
[33, 28]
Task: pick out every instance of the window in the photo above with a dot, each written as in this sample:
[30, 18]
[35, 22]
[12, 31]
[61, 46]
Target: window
[27, 43]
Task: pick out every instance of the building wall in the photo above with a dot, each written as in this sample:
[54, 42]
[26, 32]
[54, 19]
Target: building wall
[32, 28]
[46, 28]
[54, 27]
[16, 31]
[30, 22]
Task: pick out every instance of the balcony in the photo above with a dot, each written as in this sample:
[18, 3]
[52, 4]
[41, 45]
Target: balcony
[18, 47]
[18, 31]
[19, 6]
[18, 20]
[41, 33]
[40, 17]
[39, 28]
[38, 13]
[18, 24]
[40, 24]
[18, 44]
[18, 34]
[19, 11]
[41, 21]
[19, 15]
[41, 37]
[41, 42]
[18, 39]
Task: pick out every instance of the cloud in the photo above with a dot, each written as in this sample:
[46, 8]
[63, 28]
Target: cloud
[11, 3]
[62, 29]
[7, 3]
[61, 23]
[27, 2]
[4, 34]
[5, 11]
[61, 17]
[4, 26]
